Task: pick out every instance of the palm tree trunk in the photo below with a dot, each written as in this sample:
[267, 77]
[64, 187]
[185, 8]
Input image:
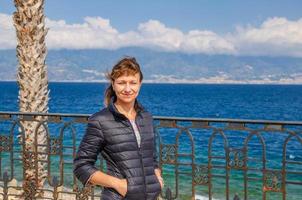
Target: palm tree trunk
[29, 21]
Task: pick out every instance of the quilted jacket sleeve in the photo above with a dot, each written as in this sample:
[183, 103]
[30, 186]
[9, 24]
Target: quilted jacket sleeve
[90, 146]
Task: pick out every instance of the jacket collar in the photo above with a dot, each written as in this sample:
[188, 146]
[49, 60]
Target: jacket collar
[137, 106]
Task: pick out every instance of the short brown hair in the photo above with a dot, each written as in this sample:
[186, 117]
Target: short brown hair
[125, 66]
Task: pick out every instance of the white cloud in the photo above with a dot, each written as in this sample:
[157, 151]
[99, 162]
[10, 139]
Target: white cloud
[7, 33]
[93, 33]
[206, 42]
[155, 34]
[276, 36]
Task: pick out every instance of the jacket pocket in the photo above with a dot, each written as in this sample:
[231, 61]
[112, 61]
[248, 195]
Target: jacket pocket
[125, 197]
[110, 194]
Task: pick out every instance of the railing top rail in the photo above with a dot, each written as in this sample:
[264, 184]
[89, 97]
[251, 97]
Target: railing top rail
[230, 120]
[221, 120]
[44, 114]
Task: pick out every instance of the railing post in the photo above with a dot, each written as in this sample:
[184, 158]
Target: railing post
[168, 194]
[5, 186]
[84, 193]
[55, 184]
[236, 197]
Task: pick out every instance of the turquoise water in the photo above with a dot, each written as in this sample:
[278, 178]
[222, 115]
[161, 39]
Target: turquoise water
[270, 102]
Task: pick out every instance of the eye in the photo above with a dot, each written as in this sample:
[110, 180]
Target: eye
[120, 82]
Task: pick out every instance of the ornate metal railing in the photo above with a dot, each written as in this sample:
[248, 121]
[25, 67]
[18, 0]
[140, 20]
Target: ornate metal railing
[211, 158]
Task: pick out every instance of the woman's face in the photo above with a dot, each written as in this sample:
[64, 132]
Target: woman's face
[127, 87]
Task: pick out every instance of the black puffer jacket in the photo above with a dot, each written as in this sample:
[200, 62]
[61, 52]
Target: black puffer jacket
[111, 134]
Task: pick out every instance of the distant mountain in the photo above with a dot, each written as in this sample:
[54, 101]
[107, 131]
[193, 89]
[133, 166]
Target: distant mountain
[90, 65]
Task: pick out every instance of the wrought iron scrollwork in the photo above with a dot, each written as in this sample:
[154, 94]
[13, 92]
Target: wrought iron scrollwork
[272, 181]
[169, 153]
[5, 144]
[55, 145]
[237, 158]
[179, 155]
[200, 175]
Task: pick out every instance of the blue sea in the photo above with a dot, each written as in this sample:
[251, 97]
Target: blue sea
[266, 102]
[270, 102]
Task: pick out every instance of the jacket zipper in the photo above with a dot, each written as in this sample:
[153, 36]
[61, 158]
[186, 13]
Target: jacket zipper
[140, 155]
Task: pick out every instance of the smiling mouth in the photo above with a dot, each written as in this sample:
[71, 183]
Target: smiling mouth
[127, 95]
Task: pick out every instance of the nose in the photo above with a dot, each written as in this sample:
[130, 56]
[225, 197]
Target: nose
[127, 88]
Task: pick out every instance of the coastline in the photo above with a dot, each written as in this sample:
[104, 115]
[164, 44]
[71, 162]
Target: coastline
[171, 83]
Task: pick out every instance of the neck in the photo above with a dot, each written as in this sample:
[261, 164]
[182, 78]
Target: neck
[126, 108]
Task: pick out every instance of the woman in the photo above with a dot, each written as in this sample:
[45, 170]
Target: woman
[123, 134]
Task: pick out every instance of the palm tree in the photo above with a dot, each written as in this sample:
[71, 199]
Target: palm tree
[29, 21]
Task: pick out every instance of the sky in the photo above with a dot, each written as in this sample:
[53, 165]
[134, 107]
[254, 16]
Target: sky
[236, 27]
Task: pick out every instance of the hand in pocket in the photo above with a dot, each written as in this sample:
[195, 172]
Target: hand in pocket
[159, 177]
[121, 187]
[161, 181]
